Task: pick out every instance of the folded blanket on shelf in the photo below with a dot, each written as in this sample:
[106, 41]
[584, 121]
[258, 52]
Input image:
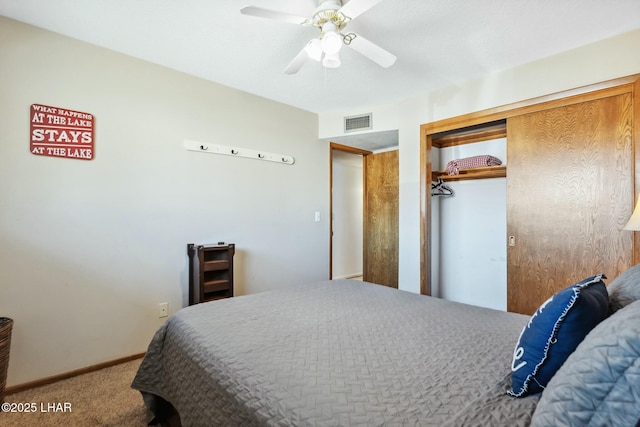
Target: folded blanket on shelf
[454, 166]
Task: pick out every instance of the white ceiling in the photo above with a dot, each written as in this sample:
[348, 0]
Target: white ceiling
[437, 42]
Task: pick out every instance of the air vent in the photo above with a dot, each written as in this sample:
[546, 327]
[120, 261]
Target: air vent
[361, 122]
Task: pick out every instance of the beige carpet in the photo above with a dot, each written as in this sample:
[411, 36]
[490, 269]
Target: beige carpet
[101, 398]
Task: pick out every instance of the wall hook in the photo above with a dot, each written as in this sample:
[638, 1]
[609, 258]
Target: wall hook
[227, 150]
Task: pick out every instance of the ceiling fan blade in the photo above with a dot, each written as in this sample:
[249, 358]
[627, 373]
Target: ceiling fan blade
[312, 50]
[355, 8]
[297, 62]
[372, 51]
[272, 14]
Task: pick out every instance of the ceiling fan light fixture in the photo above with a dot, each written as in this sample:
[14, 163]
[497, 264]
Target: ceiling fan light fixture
[330, 17]
[314, 49]
[331, 60]
[330, 39]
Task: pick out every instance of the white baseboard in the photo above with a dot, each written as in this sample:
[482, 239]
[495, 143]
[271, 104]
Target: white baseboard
[348, 276]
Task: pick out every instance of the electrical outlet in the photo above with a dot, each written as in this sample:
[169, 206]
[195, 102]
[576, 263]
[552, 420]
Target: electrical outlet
[163, 309]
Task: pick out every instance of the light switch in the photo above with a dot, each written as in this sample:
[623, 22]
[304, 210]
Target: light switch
[163, 310]
[317, 216]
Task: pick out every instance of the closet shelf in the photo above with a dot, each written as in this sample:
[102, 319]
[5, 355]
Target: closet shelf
[471, 173]
[470, 134]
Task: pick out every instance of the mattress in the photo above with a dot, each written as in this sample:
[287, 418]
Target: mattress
[333, 353]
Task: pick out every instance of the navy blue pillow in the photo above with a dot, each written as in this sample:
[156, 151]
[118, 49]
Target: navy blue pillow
[554, 331]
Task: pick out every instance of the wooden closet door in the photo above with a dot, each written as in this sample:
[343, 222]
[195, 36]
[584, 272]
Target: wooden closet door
[569, 193]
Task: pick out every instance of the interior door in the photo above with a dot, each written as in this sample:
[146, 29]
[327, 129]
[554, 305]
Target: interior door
[381, 242]
[569, 193]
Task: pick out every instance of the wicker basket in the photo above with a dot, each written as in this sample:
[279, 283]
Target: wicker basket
[5, 343]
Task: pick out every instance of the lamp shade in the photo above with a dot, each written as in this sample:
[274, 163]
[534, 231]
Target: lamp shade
[314, 49]
[331, 60]
[330, 39]
[634, 221]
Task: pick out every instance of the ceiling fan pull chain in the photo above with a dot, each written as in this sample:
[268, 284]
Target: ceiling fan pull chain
[348, 38]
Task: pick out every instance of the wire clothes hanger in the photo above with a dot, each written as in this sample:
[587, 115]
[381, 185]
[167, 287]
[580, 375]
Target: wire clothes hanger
[441, 189]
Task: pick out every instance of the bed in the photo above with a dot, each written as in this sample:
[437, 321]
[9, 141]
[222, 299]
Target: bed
[339, 352]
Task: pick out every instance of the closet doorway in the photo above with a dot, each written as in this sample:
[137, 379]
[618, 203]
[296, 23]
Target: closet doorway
[364, 215]
[347, 210]
[570, 186]
[347, 214]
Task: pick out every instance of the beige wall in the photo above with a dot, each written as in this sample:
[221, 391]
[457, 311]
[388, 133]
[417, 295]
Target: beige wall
[89, 248]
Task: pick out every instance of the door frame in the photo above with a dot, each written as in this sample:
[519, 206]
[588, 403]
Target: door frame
[363, 153]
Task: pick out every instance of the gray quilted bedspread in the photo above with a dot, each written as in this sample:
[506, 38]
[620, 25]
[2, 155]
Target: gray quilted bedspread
[336, 353]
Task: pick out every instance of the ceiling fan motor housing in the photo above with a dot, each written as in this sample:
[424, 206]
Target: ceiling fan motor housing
[328, 11]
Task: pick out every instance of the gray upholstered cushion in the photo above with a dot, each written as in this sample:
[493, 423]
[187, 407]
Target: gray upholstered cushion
[624, 289]
[599, 384]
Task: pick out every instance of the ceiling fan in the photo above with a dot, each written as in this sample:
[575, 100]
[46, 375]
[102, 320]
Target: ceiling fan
[331, 18]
